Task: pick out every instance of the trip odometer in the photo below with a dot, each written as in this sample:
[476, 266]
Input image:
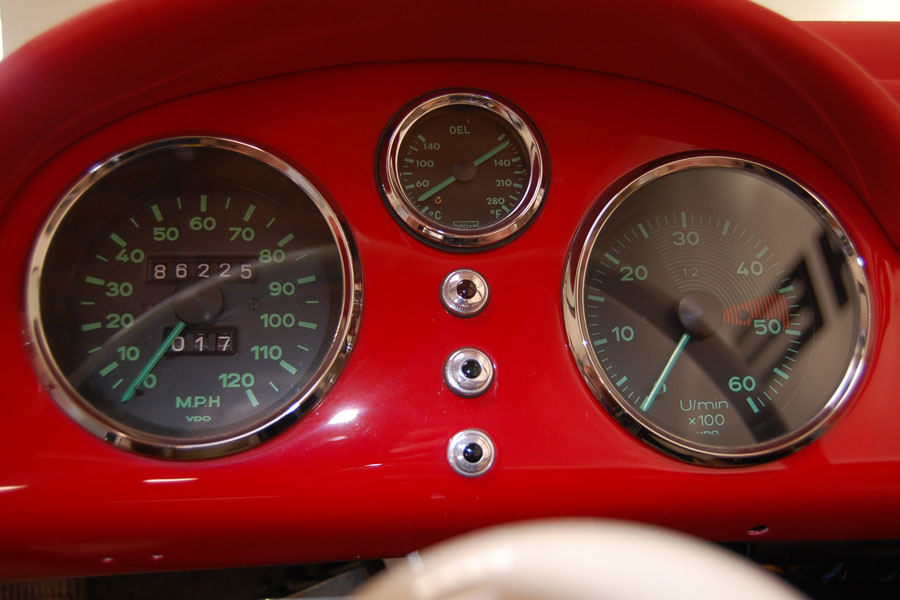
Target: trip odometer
[192, 297]
[717, 309]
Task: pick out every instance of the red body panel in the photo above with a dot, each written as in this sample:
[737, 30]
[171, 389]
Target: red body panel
[684, 76]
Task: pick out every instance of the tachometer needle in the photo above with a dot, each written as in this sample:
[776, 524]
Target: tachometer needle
[151, 364]
[657, 387]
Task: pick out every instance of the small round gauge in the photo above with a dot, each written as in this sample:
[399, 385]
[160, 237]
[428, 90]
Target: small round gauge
[463, 170]
[717, 309]
[192, 297]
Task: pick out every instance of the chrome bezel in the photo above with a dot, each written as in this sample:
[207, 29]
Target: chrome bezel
[604, 389]
[403, 207]
[464, 386]
[458, 306]
[456, 453]
[269, 425]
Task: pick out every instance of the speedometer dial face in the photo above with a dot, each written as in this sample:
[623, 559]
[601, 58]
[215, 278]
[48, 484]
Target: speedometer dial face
[192, 297]
[718, 310]
[463, 170]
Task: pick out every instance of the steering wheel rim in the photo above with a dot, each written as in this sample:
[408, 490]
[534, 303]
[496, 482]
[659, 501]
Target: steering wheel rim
[576, 559]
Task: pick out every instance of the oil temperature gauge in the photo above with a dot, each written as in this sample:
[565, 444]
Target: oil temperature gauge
[463, 170]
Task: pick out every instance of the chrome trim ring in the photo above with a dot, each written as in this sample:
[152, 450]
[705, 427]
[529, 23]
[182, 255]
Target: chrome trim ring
[465, 293]
[468, 372]
[624, 411]
[471, 453]
[284, 415]
[403, 207]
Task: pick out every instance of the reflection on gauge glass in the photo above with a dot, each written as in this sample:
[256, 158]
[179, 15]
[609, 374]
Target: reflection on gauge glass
[192, 297]
[718, 310]
[463, 169]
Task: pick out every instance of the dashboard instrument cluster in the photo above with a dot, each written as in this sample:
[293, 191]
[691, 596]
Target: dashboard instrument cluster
[262, 307]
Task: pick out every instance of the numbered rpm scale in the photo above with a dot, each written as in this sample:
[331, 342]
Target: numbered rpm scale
[192, 297]
[717, 309]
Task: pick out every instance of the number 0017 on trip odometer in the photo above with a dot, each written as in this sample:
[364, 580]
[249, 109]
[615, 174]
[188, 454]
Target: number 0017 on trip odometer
[192, 297]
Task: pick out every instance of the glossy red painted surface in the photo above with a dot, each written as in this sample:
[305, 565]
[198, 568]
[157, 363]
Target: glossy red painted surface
[701, 76]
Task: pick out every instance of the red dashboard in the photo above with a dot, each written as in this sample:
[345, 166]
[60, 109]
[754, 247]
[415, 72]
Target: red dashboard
[613, 88]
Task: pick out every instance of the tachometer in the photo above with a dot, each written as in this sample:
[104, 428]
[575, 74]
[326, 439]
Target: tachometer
[192, 297]
[718, 309]
[463, 169]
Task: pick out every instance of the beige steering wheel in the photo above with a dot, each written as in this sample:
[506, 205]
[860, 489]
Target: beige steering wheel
[576, 560]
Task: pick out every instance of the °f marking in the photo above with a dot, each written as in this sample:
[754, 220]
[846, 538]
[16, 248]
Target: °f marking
[252, 397]
[781, 373]
[202, 202]
[307, 279]
[643, 231]
[118, 240]
[762, 252]
[596, 298]
[684, 220]
[157, 214]
[249, 213]
[612, 258]
[285, 240]
[94, 280]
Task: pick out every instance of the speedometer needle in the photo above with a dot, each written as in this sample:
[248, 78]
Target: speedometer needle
[151, 364]
[657, 387]
[452, 179]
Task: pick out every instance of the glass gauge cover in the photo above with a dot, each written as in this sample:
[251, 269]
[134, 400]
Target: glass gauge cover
[717, 309]
[463, 169]
[192, 297]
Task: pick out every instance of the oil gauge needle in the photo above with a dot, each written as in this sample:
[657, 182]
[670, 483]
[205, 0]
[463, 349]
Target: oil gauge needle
[151, 364]
[453, 179]
[661, 380]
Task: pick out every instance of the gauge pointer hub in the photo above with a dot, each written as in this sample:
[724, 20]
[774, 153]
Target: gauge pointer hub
[701, 314]
[199, 303]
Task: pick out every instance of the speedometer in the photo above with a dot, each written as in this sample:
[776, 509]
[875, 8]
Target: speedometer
[718, 310]
[192, 297]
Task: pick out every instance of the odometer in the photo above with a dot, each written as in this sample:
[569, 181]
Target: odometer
[718, 310]
[192, 297]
